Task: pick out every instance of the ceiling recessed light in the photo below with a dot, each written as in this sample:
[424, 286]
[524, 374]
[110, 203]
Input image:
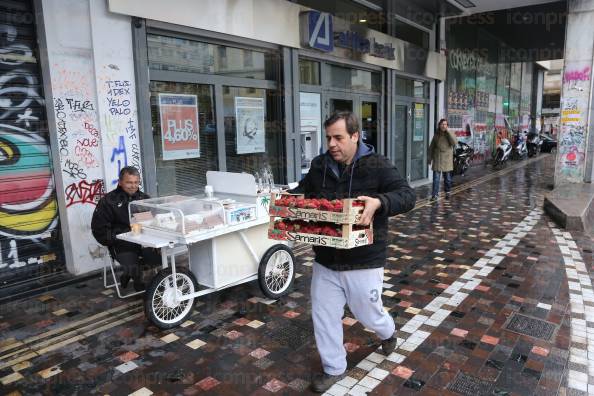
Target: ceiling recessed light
[362, 20]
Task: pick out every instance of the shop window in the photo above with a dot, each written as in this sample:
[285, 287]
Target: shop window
[411, 34]
[181, 164]
[309, 72]
[178, 54]
[253, 135]
[412, 88]
[354, 79]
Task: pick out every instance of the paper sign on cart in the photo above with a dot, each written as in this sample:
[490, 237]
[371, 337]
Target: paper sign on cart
[179, 126]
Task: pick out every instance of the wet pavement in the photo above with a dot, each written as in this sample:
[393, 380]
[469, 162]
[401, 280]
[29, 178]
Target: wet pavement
[489, 297]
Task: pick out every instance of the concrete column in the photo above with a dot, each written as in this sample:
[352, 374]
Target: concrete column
[575, 139]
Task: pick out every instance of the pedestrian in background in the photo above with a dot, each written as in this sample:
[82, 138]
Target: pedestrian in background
[441, 157]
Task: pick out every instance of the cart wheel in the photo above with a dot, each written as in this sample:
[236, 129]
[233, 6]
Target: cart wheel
[277, 271]
[160, 306]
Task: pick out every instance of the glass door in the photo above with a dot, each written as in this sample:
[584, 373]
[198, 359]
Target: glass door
[398, 138]
[408, 140]
[418, 141]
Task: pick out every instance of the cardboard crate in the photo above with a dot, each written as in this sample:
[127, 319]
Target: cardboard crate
[350, 238]
[350, 214]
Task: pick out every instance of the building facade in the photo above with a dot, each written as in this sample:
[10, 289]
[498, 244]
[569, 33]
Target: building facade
[177, 90]
[113, 84]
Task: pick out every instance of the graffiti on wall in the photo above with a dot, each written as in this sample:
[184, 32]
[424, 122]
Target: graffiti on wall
[119, 123]
[28, 206]
[79, 150]
[577, 75]
[574, 108]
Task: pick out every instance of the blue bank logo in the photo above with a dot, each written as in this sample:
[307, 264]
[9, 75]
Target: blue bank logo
[320, 34]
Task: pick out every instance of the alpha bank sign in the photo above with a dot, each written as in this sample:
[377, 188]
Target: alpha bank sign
[317, 32]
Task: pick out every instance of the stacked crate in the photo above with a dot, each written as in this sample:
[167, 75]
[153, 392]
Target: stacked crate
[318, 221]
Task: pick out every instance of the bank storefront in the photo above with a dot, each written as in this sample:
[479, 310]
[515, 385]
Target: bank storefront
[385, 81]
[258, 90]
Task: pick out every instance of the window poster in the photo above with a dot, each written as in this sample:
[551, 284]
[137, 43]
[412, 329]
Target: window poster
[250, 130]
[419, 121]
[179, 126]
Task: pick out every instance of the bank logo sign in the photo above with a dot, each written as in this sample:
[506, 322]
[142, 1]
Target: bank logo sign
[319, 31]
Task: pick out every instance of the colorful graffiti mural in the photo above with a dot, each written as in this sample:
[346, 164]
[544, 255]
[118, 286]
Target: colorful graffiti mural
[28, 205]
[574, 115]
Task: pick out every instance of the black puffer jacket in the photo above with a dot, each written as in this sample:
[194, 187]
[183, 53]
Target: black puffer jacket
[111, 218]
[372, 175]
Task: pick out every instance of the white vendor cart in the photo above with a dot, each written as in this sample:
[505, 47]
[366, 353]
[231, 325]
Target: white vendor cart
[225, 237]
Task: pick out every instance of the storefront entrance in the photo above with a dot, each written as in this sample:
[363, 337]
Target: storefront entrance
[408, 142]
[327, 87]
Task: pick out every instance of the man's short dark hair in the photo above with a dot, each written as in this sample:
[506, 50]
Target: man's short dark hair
[129, 170]
[350, 120]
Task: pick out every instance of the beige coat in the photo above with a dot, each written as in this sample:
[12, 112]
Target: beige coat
[441, 151]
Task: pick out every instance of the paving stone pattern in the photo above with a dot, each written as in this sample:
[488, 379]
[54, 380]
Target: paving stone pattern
[488, 297]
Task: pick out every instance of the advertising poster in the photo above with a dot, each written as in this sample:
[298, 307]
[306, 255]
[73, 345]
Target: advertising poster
[179, 126]
[419, 129]
[250, 132]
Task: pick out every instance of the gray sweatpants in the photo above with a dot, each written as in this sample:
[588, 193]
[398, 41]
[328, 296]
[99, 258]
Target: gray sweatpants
[330, 291]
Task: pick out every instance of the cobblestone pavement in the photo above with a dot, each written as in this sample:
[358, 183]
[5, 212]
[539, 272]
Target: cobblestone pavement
[489, 297]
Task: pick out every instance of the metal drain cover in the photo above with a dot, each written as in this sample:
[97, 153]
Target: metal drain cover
[469, 385]
[531, 327]
[293, 336]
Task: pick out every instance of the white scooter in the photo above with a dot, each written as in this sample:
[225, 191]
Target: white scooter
[503, 152]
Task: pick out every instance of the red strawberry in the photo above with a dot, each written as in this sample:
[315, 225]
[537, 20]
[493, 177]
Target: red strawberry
[281, 226]
[325, 204]
[338, 206]
[300, 203]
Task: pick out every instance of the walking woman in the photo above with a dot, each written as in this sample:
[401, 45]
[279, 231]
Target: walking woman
[441, 157]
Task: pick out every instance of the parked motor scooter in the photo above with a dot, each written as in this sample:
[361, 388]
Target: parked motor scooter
[462, 157]
[533, 144]
[503, 153]
[520, 150]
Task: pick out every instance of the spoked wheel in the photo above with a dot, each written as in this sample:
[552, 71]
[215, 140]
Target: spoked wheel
[276, 272]
[162, 303]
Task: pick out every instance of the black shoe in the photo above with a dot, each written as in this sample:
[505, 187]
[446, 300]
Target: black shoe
[433, 198]
[389, 345]
[447, 196]
[124, 280]
[322, 382]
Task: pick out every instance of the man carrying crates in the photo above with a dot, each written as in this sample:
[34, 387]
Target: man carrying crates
[351, 169]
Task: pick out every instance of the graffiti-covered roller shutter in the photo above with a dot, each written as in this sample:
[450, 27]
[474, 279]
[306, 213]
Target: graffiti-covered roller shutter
[30, 244]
